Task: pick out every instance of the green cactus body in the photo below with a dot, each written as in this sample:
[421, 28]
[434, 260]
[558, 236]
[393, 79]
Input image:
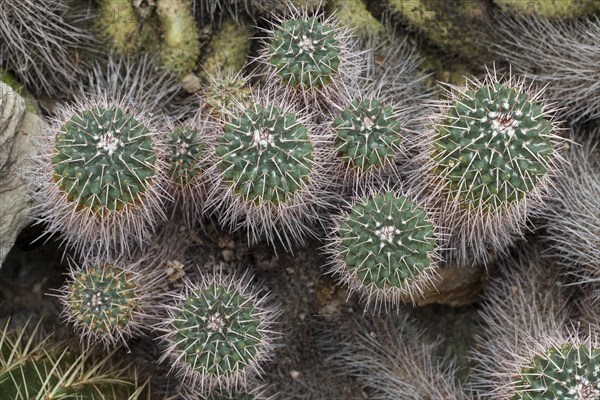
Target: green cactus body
[367, 135]
[102, 299]
[216, 330]
[569, 372]
[305, 53]
[49, 370]
[104, 159]
[265, 154]
[225, 92]
[492, 147]
[185, 155]
[386, 241]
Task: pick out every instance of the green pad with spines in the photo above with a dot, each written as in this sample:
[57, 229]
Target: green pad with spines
[103, 298]
[305, 53]
[569, 373]
[493, 146]
[367, 135]
[185, 152]
[265, 154]
[386, 240]
[217, 330]
[105, 159]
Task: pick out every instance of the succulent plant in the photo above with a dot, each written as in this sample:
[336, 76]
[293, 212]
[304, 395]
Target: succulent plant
[101, 177]
[268, 170]
[218, 333]
[105, 302]
[385, 248]
[488, 163]
[367, 139]
[225, 91]
[35, 368]
[310, 54]
[42, 46]
[186, 162]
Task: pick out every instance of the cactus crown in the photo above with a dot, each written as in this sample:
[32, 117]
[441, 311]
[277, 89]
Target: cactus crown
[104, 159]
[185, 153]
[217, 330]
[305, 53]
[102, 299]
[367, 134]
[492, 147]
[568, 372]
[386, 240]
[266, 154]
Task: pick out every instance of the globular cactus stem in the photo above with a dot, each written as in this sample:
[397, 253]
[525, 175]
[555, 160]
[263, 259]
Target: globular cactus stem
[101, 179]
[218, 333]
[385, 247]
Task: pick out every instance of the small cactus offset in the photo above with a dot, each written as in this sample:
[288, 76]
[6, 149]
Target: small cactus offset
[385, 248]
[367, 140]
[268, 171]
[218, 333]
[490, 159]
[186, 164]
[101, 178]
[224, 91]
[106, 302]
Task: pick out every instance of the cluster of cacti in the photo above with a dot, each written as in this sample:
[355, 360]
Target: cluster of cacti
[331, 147]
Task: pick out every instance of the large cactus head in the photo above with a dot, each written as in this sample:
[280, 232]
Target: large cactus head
[101, 177]
[489, 161]
[385, 248]
[569, 371]
[218, 332]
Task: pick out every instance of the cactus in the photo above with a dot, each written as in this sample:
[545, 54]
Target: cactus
[312, 55]
[218, 332]
[224, 91]
[385, 248]
[104, 302]
[489, 162]
[268, 173]
[101, 178]
[569, 370]
[34, 368]
[367, 138]
[186, 161]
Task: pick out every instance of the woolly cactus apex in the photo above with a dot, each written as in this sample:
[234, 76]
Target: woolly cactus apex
[397, 360]
[367, 138]
[268, 171]
[311, 54]
[488, 162]
[41, 47]
[218, 333]
[101, 177]
[385, 248]
[108, 303]
[36, 368]
[561, 55]
[186, 163]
